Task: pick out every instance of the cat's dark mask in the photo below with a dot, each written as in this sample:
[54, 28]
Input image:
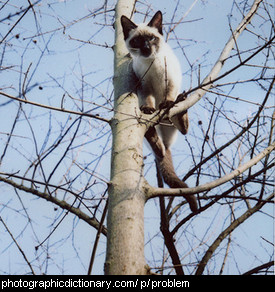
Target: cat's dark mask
[143, 40]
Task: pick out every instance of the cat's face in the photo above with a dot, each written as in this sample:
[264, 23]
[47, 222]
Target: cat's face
[143, 40]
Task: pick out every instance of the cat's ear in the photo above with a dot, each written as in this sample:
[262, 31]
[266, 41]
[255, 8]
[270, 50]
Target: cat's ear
[156, 22]
[127, 26]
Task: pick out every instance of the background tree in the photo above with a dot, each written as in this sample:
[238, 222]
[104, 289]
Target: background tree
[57, 106]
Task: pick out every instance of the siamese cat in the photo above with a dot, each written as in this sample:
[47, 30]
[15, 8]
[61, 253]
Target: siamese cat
[159, 74]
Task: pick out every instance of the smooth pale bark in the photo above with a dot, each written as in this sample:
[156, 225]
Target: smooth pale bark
[125, 221]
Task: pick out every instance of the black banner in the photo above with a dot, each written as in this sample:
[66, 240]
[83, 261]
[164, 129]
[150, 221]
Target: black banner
[140, 283]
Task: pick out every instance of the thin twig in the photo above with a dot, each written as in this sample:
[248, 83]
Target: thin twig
[85, 114]
[18, 246]
[225, 233]
[61, 203]
[97, 237]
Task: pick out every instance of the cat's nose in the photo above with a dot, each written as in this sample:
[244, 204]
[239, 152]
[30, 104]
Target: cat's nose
[146, 49]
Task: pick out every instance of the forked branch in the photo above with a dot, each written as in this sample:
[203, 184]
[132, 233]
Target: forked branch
[61, 203]
[209, 80]
[160, 192]
[226, 232]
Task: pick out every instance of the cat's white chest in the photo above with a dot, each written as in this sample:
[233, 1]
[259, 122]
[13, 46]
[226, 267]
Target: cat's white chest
[158, 73]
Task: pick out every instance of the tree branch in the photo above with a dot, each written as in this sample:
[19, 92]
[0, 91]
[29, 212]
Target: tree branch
[244, 130]
[213, 75]
[18, 246]
[226, 232]
[216, 198]
[168, 236]
[99, 230]
[64, 205]
[19, 19]
[158, 192]
[259, 268]
[84, 114]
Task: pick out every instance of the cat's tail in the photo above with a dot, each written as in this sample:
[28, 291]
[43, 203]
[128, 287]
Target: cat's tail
[170, 177]
[165, 164]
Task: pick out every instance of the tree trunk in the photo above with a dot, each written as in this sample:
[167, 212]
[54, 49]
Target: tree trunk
[125, 221]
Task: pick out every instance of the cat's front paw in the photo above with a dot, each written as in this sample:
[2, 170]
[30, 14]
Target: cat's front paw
[181, 97]
[147, 109]
[166, 104]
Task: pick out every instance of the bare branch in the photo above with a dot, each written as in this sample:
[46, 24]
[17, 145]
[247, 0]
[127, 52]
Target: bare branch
[97, 238]
[207, 83]
[168, 236]
[226, 232]
[54, 108]
[157, 192]
[258, 269]
[237, 136]
[63, 204]
[18, 246]
[19, 19]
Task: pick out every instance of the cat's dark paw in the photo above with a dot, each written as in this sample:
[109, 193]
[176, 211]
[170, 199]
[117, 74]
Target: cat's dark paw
[166, 104]
[181, 97]
[147, 109]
